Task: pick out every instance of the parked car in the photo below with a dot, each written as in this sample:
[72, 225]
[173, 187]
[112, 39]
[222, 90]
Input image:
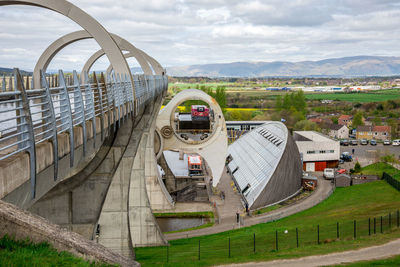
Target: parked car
[346, 156]
[364, 142]
[353, 142]
[396, 142]
[373, 142]
[386, 142]
[352, 136]
[329, 173]
[344, 142]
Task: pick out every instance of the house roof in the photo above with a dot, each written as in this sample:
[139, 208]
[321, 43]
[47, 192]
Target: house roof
[345, 117]
[364, 128]
[336, 127]
[381, 129]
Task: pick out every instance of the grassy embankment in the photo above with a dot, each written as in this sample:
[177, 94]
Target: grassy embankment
[25, 253]
[379, 168]
[394, 261]
[358, 202]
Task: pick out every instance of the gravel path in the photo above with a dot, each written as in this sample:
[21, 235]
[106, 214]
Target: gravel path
[227, 210]
[365, 254]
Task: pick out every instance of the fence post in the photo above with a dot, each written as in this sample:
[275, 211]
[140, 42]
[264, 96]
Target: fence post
[229, 247]
[355, 229]
[318, 233]
[297, 237]
[381, 225]
[254, 242]
[374, 225]
[337, 230]
[199, 249]
[276, 240]
[369, 226]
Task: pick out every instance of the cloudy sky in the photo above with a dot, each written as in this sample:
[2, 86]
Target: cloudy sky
[185, 32]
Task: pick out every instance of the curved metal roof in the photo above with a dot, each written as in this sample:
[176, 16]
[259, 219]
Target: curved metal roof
[255, 157]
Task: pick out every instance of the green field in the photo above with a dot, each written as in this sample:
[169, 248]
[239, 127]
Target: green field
[358, 202]
[362, 97]
[25, 253]
[394, 261]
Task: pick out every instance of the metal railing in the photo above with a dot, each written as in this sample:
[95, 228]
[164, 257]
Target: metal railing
[30, 117]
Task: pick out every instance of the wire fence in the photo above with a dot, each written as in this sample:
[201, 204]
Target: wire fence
[236, 244]
[392, 181]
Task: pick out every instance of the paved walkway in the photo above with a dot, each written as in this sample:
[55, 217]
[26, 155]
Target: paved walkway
[227, 209]
[365, 254]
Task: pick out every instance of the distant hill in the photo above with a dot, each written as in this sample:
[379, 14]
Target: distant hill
[8, 71]
[335, 67]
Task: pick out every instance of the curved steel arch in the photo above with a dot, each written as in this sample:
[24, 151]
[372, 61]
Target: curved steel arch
[52, 50]
[133, 52]
[92, 26]
[158, 71]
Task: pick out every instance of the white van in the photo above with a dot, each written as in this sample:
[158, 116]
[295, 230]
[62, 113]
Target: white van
[396, 142]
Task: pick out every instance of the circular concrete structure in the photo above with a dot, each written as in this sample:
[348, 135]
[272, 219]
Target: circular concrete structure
[213, 149]
[91, 26]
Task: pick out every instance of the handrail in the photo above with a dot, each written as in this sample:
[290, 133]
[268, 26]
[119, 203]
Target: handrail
[32, 116]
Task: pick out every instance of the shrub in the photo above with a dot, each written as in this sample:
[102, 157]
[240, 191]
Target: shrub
[357, 167]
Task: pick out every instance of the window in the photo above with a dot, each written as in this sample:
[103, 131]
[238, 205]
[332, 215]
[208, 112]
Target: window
[322, 151]
[310, 152]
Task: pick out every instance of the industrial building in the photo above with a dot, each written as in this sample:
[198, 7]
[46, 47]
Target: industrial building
[317, 150]
[265, 165]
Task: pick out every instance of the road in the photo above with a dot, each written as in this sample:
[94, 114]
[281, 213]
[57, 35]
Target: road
[387, 250]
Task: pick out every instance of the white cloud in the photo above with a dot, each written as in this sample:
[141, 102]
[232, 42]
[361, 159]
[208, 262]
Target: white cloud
[183, 32]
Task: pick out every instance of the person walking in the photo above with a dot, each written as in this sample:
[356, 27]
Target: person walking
[237, 216]
[352, 151]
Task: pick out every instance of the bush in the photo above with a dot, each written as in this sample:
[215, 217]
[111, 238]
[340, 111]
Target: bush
[357, 167]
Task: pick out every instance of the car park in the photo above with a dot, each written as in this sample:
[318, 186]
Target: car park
[364, 142]
[373, 142]
[353, 142]
[386, 142]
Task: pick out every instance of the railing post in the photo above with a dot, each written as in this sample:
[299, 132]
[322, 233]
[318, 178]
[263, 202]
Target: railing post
[117, 94]
[276, 241]
[106, 101]
[89, 104]
[112, 104]
[297, 237]
[66, 114]
[26, 129]
[390, 221]
[53, 125]
[318, 234]
[337, 230]
[99, 94]
[381, 225]
[254, 242]
[369, 226]
[79, 108]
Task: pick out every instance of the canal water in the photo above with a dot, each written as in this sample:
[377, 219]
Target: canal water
[174, 224]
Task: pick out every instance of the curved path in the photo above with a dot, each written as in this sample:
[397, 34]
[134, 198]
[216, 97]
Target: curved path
[231, 203]
[387, 250]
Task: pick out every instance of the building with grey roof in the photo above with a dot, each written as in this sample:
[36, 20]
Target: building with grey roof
[265, 165]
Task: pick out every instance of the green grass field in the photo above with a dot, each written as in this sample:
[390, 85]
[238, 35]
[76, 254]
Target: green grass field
[362, 97]
[358, 202]
[394, 261]
[25, 253]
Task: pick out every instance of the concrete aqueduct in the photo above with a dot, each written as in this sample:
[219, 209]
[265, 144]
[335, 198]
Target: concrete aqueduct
[79, 151]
